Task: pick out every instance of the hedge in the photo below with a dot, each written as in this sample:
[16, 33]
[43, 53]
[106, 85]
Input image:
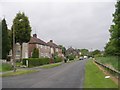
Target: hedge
[40, 61]
[71, 57]
[57, 59]
[36, 61]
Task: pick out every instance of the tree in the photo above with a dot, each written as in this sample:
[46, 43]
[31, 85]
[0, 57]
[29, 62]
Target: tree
[5, 40]
[63, 49]
[96, 53]
[35, 53]
[22, 29]
[84, 52]
[113, 46]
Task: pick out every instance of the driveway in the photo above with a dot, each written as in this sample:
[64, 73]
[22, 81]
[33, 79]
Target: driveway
[68, 75]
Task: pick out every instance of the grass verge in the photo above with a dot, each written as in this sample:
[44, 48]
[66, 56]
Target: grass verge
[5, 67]
[18, 72]
[51, 65]
[95, 78]
[111, 61]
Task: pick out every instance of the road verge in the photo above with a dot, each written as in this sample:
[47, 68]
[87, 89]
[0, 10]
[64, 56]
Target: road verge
[95, 78]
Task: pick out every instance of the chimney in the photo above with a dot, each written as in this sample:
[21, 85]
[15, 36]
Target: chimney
[35, 35]
[51, 40]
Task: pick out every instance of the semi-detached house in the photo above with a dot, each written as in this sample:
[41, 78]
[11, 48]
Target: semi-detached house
[45, 49]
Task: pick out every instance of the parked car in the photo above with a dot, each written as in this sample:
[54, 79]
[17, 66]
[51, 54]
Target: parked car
[85, 57]
[81, 58]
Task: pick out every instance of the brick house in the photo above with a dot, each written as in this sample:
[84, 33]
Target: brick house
[72, 51]
[18, 51]
[44, 49]
[55, 48]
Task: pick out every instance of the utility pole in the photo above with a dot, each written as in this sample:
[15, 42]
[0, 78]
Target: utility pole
[14, 61]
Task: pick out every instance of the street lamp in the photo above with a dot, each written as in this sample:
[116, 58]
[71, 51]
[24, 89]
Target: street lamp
[14, 61]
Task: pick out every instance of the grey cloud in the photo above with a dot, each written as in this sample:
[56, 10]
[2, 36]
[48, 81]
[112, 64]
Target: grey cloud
[77, 24]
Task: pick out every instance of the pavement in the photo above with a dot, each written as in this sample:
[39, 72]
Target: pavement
[68, 75]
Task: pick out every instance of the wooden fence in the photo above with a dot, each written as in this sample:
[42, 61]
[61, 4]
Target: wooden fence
[115, 72]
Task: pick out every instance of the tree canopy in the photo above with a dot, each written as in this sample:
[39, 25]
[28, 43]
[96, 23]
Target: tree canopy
[84, 52]
[63, 49]
[21, 27]
[5, 40]
[113, 46]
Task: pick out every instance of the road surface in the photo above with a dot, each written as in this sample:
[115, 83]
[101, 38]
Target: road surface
[68, 75]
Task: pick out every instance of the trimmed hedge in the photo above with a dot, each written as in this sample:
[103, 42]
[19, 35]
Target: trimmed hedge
[40, 61]
[71, 57]
[36, 61]
[57, 59]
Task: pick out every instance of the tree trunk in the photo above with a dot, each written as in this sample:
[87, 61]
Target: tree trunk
[21, 53]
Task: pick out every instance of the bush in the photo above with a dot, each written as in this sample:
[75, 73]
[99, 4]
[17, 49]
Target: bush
[71, 57]
[35, 53]
[57, 59]
[36, 61]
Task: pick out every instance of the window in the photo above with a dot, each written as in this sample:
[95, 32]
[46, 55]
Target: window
[17, 52]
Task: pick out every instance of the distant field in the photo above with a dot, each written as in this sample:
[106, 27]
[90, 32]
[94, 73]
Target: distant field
[95, 78]
[111, 61]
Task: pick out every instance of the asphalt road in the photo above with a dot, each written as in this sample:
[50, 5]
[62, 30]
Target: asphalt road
[68, 75]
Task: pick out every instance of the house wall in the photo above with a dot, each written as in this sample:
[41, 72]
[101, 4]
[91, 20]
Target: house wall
[17, 51]
[52, 50]
[30, 49]
[25, 50]
[44, 51]
[60, 53]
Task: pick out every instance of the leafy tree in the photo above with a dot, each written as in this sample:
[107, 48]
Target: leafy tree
[63, 49]
[22, 29]
[84, 52]
[71, 56]
[35, 53]
[96, 52]
[113, 46]
[5, 40]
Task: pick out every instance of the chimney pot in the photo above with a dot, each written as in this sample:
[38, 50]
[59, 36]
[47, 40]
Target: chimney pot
[51, 40]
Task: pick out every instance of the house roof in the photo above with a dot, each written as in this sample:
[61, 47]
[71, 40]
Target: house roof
[35, 40]
[51, 44]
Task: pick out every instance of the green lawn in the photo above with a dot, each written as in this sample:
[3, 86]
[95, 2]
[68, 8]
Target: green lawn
[50, 65]
[5, 67]
[110, 60]
[95, 78]
[18, 72]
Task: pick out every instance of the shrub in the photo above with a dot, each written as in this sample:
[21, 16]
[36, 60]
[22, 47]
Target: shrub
[35, 53]
[71, 57]
[57, 59]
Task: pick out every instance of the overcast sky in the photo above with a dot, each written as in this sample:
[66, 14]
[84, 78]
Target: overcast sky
[77, 24]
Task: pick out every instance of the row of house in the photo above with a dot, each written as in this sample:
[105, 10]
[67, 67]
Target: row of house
[72, 51]
[45, 49]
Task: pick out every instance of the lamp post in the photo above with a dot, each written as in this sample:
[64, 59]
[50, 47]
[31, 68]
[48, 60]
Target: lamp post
[14, 61]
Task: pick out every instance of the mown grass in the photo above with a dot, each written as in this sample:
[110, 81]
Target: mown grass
[50, 65]
[110, 60]
[95, 78]
[18, 72]
[5, 67]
